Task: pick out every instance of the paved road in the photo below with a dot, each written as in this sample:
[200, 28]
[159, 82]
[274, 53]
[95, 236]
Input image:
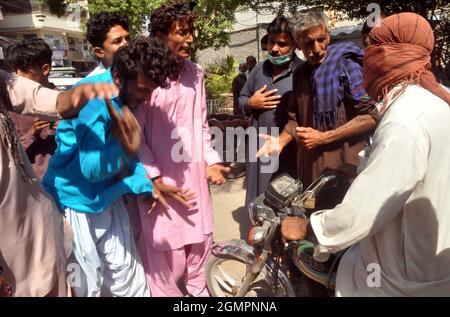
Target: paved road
[230, 216]
[232, 222]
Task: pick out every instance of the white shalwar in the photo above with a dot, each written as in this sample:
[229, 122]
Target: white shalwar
[106, 252]
[396, 214]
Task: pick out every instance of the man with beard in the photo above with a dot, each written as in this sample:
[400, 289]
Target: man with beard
[83, 175]
[395, 215]
[330, 114]
[265, 98]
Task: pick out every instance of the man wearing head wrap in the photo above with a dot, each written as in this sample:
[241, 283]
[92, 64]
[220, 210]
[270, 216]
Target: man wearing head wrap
[396, 213]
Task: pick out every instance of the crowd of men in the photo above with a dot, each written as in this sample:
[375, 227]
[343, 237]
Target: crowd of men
[106, 194]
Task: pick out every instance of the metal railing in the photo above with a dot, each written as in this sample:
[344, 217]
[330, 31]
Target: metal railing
[216, 106]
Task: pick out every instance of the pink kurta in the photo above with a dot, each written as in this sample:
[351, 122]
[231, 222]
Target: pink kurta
[177, 146]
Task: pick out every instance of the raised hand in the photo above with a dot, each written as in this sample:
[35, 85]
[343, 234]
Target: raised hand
[70, 102]
[125, 128]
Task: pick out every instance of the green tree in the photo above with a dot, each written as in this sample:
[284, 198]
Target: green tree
[437, 12]
[215, 17]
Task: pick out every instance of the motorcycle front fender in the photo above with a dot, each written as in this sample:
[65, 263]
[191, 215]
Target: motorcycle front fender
[240, 250]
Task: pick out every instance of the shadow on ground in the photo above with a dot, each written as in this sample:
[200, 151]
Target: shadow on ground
[240, 215]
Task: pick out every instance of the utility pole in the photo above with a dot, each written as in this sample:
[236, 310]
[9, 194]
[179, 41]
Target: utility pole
[257, 30]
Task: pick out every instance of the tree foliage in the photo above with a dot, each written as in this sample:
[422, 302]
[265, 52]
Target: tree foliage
[215, 17]
[437, 12]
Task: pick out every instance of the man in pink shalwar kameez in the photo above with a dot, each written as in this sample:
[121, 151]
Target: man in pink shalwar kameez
[177, 153]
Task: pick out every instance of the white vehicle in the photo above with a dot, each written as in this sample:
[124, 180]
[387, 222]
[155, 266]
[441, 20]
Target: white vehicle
[64, 83]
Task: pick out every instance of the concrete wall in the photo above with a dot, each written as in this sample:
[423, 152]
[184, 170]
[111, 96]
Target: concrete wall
[242, 44]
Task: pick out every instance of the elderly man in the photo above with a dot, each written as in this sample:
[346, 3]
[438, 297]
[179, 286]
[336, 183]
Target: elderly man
[395, 214]
[331, 115]
[265, 98]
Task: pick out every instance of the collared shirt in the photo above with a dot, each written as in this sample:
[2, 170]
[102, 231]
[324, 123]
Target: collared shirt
[176, 145]
[260, 172]
[82, 174]
[100, 69]
[262, 75]
[396, 212]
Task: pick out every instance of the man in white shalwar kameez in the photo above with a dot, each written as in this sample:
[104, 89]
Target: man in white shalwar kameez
[396, 215]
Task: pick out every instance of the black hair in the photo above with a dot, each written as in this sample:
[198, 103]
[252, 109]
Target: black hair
[101, 23]
[150, 57]
[264, 42]
[365, 29]
[280, 25]
[251, 57]
[168, 14]
[28, 54]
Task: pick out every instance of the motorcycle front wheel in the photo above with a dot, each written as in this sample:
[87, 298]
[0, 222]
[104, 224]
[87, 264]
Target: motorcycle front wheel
[230, 262]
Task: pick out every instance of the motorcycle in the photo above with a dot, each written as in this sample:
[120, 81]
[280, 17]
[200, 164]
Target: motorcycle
[261, 267]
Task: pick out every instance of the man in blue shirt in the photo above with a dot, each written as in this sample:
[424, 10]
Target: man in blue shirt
[84, 175]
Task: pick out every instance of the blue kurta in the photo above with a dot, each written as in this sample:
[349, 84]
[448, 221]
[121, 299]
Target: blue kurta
[83, 173]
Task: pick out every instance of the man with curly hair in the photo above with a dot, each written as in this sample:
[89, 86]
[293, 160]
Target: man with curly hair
[107, 32]
[84, 175]
[176, 242]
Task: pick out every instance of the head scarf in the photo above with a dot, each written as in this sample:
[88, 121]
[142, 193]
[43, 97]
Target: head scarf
[342, 67]
[400, 54]
[9, 137]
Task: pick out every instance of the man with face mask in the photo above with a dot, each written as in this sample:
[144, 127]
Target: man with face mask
[84, 174]
[330, 114]
[265, 98]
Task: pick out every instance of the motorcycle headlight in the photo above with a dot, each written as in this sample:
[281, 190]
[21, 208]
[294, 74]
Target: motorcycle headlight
[256, 235]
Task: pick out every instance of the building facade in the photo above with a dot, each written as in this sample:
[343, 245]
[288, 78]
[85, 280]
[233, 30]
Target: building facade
[251, 26]
[24, 19]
